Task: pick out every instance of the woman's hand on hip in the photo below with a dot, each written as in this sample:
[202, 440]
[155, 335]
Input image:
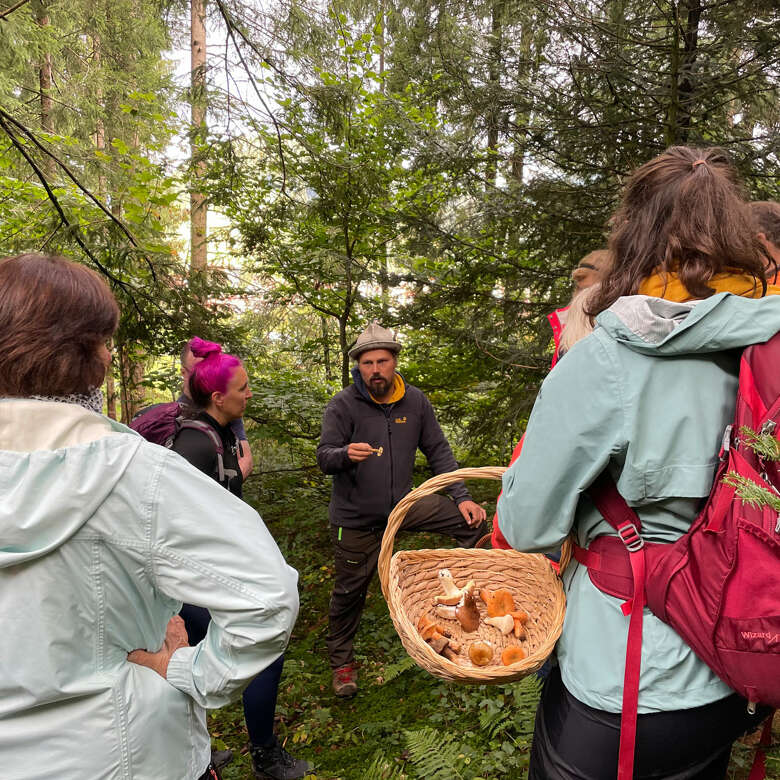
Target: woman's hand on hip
[175, 637]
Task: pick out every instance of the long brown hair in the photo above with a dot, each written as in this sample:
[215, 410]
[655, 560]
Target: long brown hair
[682, 212]
[53, 316]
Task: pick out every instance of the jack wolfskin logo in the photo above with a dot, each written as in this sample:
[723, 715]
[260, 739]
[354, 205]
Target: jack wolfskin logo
[401, 420]
[770, 638]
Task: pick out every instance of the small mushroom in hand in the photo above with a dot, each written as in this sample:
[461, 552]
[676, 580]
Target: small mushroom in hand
[480, 653]
[505, 624]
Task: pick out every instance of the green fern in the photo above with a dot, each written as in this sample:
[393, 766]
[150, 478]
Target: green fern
[393, 671]
[434, 754]
[382, 768]
[508, 716]
[493, 722]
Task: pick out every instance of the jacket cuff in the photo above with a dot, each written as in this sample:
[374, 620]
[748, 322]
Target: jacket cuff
[346, 462]
[179, 673]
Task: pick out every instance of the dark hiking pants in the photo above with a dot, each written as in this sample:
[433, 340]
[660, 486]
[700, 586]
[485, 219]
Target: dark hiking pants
[356, 551]
[259, 696]
[573, 741]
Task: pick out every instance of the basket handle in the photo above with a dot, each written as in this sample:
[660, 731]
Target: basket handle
[433, 485]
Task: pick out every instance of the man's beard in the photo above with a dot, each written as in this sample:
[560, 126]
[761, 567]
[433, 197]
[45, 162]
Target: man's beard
[380, 386]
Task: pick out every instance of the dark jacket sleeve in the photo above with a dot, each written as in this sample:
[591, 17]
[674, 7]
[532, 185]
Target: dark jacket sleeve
[436, 449]
[335, 436]
[197, 448]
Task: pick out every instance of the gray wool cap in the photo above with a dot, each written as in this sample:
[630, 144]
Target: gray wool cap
[374, 337]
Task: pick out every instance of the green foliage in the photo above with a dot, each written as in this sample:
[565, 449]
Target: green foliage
[435, 754]
[767, 447]
[764, 444]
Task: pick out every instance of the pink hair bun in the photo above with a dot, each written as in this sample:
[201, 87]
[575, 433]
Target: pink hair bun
[203, 349]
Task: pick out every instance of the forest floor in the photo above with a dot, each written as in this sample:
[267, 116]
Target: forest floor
[403, 723]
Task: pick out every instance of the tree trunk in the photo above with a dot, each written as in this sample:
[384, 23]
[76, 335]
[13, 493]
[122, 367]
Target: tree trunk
[198, 208]
[326, 348]
[686, 17]
[344, 352]
[44, 80]
[690, 34]
[110, 393]
[131, 371]
[494, 78]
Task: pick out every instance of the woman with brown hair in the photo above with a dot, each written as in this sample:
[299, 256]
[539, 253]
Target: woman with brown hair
[101, 539]
[646, 397]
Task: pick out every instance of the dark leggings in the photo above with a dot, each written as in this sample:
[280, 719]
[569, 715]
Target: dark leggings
[259, 696]
[573, 740]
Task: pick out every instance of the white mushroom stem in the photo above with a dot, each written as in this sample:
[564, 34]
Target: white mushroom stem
[447, 612]
[505, 624]
[452, 593]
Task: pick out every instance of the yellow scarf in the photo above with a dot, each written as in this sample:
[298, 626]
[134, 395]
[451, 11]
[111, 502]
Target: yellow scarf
[738, 284]
[399, 388]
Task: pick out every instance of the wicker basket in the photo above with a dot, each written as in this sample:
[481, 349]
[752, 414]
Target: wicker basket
[410, 581]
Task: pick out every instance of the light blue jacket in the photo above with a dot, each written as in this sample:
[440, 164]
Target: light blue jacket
[647, 395]
[102, 537]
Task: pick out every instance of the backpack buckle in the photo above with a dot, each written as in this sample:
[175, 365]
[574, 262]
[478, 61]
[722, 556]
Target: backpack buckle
[631, 537]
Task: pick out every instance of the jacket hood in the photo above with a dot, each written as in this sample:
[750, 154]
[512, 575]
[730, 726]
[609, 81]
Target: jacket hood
[666, 328]
[58, 463]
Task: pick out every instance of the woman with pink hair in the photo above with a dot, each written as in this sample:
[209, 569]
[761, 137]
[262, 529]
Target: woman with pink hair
[219, 390]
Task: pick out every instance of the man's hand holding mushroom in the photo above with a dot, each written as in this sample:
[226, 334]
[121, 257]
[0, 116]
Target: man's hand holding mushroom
[358, 451]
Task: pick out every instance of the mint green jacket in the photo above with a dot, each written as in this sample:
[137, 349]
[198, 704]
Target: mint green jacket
[102, 537]
[647, 396]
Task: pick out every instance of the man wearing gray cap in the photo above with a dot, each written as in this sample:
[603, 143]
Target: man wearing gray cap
[371, 431]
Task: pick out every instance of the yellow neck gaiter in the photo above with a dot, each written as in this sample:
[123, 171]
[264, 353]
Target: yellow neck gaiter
[669, 286]
[399, 388]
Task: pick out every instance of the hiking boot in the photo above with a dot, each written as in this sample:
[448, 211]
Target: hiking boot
[275, 763]
[221, 758]
[345, 680]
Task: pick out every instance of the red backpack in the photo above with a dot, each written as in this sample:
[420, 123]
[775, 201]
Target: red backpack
[718, 585]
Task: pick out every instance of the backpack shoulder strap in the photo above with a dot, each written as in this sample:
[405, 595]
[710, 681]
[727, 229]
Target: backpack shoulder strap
[204, 427]
[615, 510]
[625, 521]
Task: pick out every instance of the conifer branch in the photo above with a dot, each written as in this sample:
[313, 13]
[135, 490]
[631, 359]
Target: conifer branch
[765, 445]
[752, 493]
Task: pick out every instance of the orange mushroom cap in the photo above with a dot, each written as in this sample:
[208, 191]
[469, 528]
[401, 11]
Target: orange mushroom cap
[480, 653]
[499, 602]
[512, 655]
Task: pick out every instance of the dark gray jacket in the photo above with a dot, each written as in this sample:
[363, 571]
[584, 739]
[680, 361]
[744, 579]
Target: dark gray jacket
[365, 493]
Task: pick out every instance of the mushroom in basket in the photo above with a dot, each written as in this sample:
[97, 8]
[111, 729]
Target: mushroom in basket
[438, 638]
